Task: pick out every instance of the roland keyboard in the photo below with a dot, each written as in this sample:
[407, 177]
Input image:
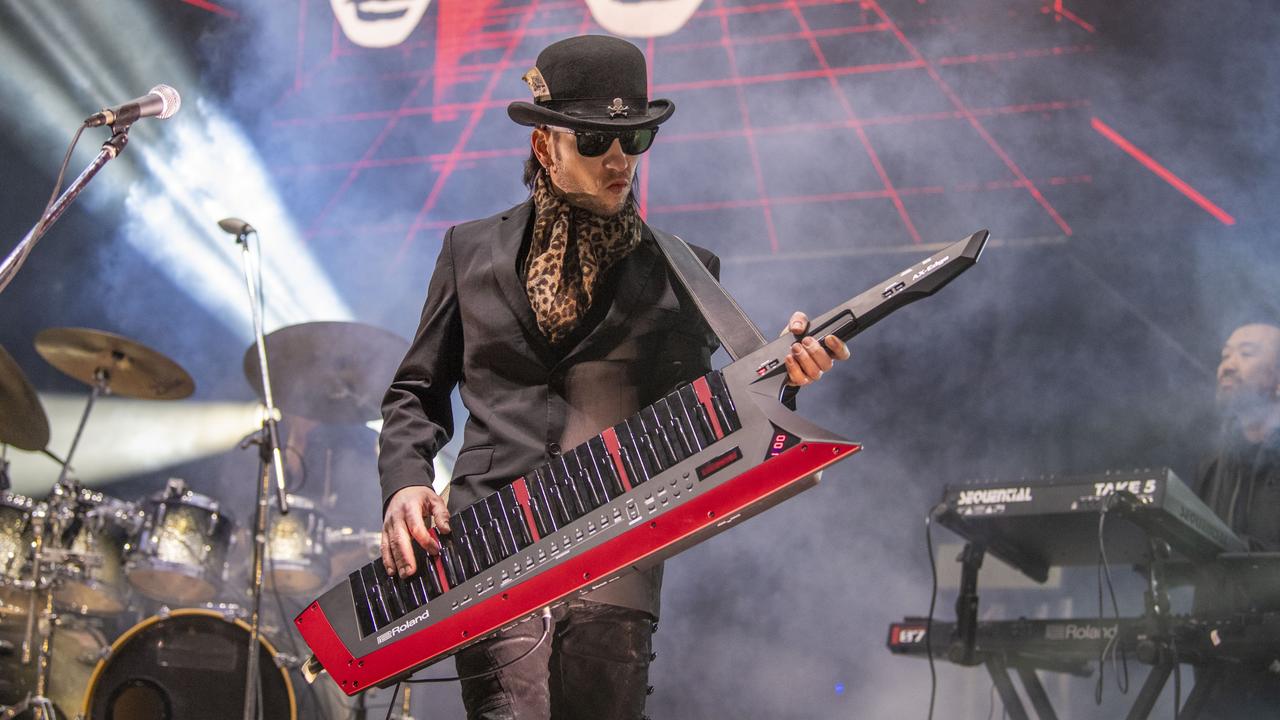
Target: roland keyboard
[1070, 644]
[698, 461]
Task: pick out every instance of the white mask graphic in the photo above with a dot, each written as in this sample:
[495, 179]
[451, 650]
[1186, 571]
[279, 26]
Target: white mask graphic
[378, 23]
[642, 19]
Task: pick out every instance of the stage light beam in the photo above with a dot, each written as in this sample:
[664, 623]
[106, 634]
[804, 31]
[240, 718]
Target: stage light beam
[173, 174]
[127, 437]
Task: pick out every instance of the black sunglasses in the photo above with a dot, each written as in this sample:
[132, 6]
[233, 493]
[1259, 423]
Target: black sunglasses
[594, 143]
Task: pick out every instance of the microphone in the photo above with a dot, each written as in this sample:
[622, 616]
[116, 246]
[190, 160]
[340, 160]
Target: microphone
[235, 226]
[160, 102]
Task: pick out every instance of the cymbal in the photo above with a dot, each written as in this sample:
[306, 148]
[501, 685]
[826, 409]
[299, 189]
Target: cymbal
[133, 369]
[23, 423]
[334, 372]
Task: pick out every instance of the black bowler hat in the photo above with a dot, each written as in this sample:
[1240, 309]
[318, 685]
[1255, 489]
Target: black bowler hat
[590, 82]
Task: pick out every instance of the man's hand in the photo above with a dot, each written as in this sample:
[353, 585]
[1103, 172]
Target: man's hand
[405, 523]
[808, 358]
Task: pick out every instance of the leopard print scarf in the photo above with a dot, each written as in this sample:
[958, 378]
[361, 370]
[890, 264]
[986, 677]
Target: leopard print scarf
[569, 254]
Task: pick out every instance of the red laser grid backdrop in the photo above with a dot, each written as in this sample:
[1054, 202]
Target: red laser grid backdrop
[797, 121]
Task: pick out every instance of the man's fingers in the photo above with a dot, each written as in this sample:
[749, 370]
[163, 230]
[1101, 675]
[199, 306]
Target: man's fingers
[797, 324]
[839, 349]
[403, 551]
[418, 531]
[820, 357]
[439, 515]
[795, 376]
[805, 361]
[388, 562]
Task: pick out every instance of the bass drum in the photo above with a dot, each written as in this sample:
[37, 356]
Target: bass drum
[190, 664]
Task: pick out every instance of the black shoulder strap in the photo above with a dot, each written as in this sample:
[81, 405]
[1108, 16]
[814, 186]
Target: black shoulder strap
[737, 333]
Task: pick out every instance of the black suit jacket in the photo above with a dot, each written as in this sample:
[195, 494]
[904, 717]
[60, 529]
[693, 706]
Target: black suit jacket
[478, 333]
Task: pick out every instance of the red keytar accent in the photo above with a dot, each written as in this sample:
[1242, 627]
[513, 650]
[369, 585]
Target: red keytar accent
[611, 444]
[501, 607]
[522, 497]
[435, 560]
[703, 391]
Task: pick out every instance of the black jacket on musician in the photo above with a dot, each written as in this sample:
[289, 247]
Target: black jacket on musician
[527, 400]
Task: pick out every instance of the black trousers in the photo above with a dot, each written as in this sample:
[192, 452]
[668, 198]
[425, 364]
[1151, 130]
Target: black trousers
[595, 666]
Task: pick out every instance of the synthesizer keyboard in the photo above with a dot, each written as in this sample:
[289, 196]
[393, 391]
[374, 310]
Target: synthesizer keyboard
[1072, 644]
[707, 456]
[1036, 524]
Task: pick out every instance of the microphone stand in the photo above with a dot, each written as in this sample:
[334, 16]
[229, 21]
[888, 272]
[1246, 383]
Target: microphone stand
[110, 149]
[270, 462]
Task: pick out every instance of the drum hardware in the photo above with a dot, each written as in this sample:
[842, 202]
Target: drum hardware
[230, 612]
[93, 551]
[101, 386]
[42, 706]
[60, 557]
[42, 629]
[16, 541]
[333, 372]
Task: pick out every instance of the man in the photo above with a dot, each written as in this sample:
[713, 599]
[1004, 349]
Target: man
[1241, 483]
[556, 319]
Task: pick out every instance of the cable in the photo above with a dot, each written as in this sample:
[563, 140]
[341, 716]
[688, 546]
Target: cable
[391, 706]
[302, 464]
[1104, 570]
[933, 602]
[546, 631]
[62, 172]
[44, 214]
[1177, 677]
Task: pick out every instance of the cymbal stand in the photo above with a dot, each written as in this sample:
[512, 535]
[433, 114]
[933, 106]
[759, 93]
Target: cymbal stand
[270, 460]
[101, 387]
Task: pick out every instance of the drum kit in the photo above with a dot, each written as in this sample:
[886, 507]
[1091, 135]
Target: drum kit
[79, 564]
